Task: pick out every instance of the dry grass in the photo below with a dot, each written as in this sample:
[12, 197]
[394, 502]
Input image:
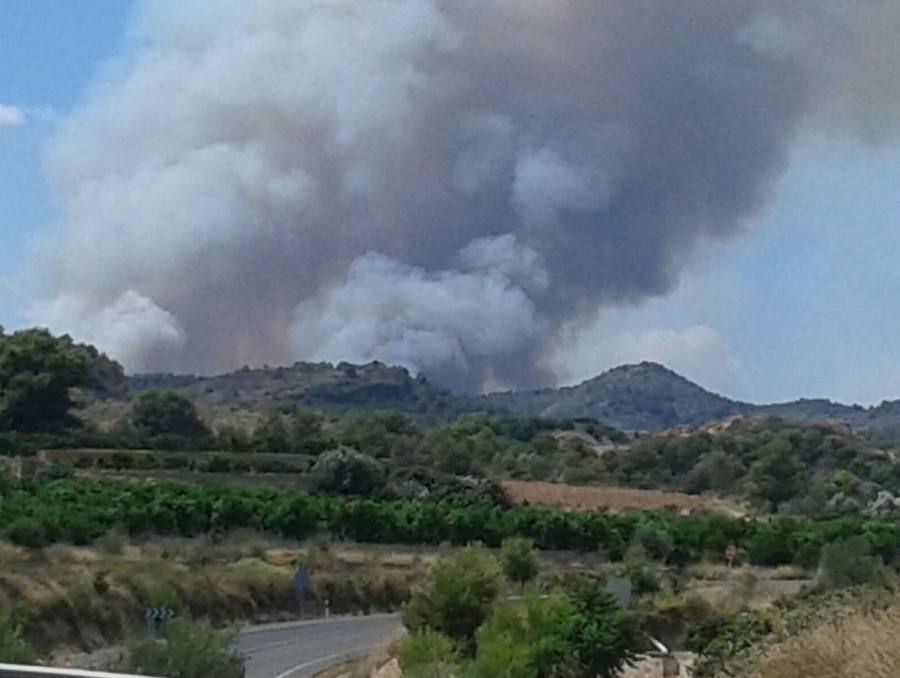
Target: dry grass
[615, 498]
[864, 645]
[78, 599]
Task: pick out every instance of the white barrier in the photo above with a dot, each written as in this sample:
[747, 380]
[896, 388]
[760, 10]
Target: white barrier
[12, 671]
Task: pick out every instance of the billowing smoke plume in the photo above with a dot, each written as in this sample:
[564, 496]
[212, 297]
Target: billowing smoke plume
[439, 183]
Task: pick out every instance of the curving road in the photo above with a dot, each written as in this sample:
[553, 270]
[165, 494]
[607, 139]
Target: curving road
[302, 649]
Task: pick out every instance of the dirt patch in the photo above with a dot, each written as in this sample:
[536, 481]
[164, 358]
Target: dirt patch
[615, 498]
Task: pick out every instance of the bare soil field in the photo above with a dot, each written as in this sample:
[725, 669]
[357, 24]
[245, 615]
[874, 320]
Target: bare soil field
[614, 498]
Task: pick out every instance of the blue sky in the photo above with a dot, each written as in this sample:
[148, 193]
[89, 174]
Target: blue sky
[50, 50]
[804, 303]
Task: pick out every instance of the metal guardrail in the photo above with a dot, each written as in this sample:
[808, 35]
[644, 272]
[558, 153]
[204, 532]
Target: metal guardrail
[13, 671]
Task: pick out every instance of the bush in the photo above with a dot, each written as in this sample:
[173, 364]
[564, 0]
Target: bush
[518, 559]
[13, 649]
[426, 654]
[347, 471]
[184, 650]
[850, 563]
[166, 413]
[656, 543]
[28, 532]
[455, 596]
[580, 634]
[525, 639]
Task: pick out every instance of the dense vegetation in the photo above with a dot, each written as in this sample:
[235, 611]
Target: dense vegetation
[460, 625]
[813, 470]
[651, 397]
[37, 372]
[734, 644]
[184, 649]
[35, 513]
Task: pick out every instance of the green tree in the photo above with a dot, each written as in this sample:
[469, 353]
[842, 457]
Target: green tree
[166, 413]
[850, 563]
[37, 370]
[184, 650]
[306, 432]
[601, 636]
[427, 655]
[525, 639]
[519, 562]
[346, 471]
[657, 543]
[455, 596]
[271, 435]
[580, 634]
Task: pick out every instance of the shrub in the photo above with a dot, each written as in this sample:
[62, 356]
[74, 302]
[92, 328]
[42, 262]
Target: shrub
[157, 413]
[850, 563]
[455, 596]
[579, 634]
[525, 639]
[426, 654]
[184, 650]
[518, 559]
[13, 649]
[656, 543]
[347, 471]
[27, 531]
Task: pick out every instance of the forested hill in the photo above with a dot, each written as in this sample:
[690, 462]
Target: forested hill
[649, 396]
[333, 387]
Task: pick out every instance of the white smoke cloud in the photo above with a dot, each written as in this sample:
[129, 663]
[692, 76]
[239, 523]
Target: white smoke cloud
[132, 327]
[450, 322]
[245, 157]
[698, 352]
[11, 116]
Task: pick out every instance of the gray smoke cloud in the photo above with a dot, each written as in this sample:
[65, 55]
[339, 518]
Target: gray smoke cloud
[435, 183]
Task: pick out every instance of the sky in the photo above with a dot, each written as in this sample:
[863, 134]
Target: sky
[802, 303]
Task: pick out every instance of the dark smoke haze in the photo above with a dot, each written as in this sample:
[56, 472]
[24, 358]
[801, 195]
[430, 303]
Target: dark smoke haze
[434, 183]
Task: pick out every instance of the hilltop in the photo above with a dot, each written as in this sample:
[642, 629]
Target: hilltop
[641, 397]
[651, 397]
[321, 385]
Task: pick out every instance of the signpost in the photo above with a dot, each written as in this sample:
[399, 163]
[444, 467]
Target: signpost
[620, 587]
[302, 579]
[155, 617]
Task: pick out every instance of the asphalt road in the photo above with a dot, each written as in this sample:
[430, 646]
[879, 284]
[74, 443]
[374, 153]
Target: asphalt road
[303, 649]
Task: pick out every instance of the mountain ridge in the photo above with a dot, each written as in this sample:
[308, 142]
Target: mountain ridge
[642, 396]
[650, 396]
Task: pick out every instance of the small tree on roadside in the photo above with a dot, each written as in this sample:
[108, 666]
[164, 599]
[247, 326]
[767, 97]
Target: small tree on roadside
[518, 559]
[427, 655]
[185, 650]
[455, 596]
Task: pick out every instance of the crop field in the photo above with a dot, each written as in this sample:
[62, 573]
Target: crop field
[614, 498]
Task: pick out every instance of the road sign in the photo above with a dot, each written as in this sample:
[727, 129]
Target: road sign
[620, 587]
[302, 579]
[159, 613]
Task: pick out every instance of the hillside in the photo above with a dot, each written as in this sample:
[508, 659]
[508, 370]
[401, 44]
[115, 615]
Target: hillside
[334, 387]
[652, 397]
[645, 397]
